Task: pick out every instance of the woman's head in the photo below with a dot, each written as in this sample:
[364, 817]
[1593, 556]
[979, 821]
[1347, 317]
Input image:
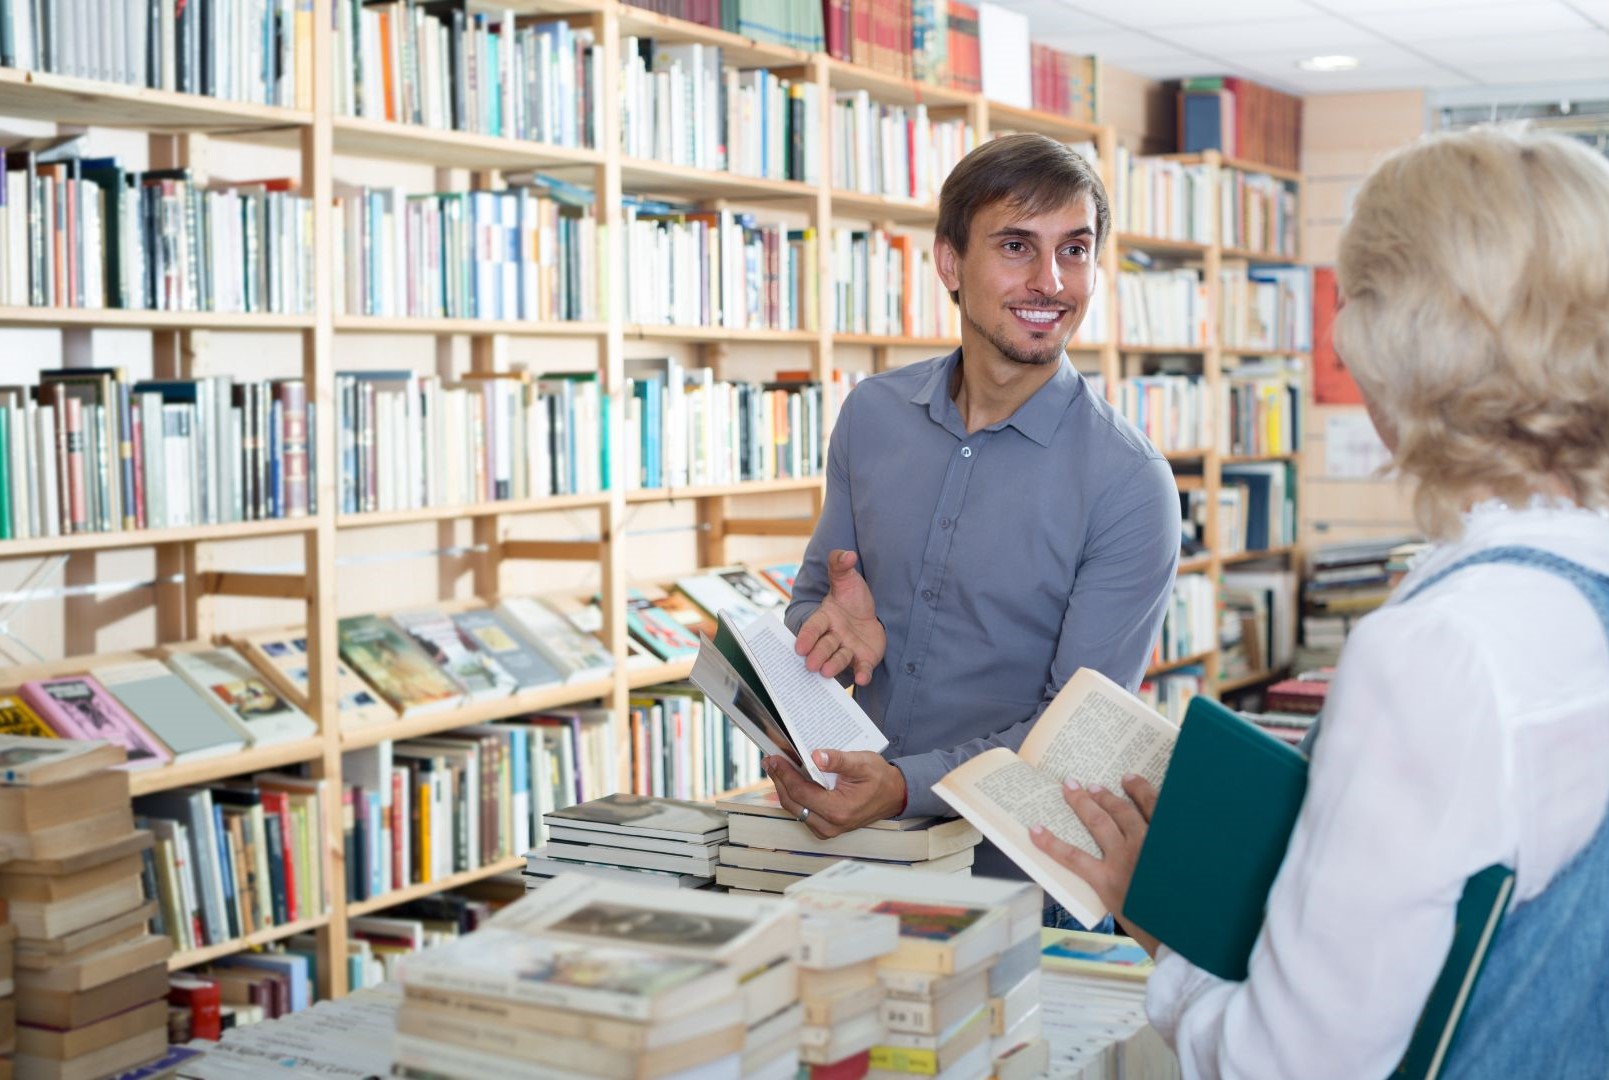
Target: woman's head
[1475, 276]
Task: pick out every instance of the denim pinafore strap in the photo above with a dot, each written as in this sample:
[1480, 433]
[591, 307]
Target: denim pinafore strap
[1541, 1005]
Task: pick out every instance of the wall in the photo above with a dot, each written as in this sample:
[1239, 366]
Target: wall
[1343, 135]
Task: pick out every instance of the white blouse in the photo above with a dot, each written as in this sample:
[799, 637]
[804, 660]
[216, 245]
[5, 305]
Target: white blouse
[1468, 727]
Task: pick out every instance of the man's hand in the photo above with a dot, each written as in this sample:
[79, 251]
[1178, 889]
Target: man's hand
[869, 789]
[843, 632]
[1119, 827]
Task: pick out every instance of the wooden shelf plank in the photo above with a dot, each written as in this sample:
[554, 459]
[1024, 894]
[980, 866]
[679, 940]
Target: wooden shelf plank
[445, 148]
[1186, 455]
[1201, 564]
[639, 177]
[1240, 353]
[431, 888]
[1253, 255]
[893, 342]
[1162, 350]
[1252, 459]
[545, 505]
[717, 334]
[414, 727]
[192, 957]
[1267, 170]
[752, 487]
[67, 100]
[1161, 245]
[255, 759]
[655, 674]
[1229, 686]
[1057, 127]
[387, 324]
[1253, 556]
[129, 538]
[891, 89]
[854, 204]
[1174, 665]
[735, 50]
[117, 318]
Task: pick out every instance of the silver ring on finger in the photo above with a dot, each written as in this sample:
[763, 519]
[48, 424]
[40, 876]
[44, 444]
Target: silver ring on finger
[803, 815]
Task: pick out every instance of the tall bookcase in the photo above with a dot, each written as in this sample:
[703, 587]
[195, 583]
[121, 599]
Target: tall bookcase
[193, 568]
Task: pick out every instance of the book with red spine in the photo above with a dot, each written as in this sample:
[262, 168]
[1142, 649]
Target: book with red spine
[203, 997]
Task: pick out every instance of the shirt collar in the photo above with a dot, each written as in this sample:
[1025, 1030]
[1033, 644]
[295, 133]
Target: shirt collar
[1037, 418]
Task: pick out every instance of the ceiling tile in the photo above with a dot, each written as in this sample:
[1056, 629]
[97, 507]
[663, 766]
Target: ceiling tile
[1347, 82]
[1539, 71]
[1147, 14]
[1118, 47]
[1414, 25]
[1519, 48]
[1305, 36]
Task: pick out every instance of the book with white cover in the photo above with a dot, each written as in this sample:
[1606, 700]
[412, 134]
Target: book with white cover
[221, 673]
[579, 655]
[645, 816]
[479, 673]
[755, 677]
[188, 723]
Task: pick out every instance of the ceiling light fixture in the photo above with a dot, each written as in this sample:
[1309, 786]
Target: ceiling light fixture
[1328, 63]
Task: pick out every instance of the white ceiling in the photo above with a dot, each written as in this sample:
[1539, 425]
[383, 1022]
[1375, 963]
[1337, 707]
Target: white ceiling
[1402, 44]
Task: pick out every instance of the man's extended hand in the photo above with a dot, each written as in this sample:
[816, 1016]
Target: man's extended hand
[843, 632]
[869, 789]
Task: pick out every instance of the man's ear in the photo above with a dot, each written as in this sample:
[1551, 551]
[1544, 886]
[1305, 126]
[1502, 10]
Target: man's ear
[946, 261]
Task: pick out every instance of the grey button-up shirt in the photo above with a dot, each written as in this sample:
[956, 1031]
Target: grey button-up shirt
[1001, 561]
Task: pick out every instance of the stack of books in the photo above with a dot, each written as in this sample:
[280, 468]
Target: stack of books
[633, 839]
[767, 850]
[8, 1003]
[1344, 583]
[599, 978]
[963, 984]
[1094, 1011]
[839, 990]
[91, 980]
[349, 1036]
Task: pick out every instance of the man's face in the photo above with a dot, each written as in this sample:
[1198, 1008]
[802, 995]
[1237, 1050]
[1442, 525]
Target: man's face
[1025, 282]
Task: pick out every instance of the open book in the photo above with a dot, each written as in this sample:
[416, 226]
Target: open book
[1094, 732]
[752, 673]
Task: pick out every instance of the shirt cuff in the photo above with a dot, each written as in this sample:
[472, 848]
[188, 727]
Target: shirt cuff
[1173, 987]
[921, 772]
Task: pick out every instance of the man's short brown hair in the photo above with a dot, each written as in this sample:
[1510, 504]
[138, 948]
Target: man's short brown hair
[1034, 172]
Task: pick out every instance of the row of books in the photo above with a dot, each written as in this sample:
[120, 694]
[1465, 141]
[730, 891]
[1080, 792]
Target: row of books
[1190, 624]
[685, 427]
[1064, 84]
[234, 858]
[1266, 307]
[88, 233]
[1264, 598]
[719, 268]
[1170, 693]
[406, 441]
[1259, 213]
[1258, 507]
[1093, 1006]
[682, 105]
[1344, 583]
[447, 68]
[84, 978]
[89, 450]
[260, 51]
[1162, 307]
[1242, 119]
[1171, 410]
[529, 252]
[1163, 198]
[683, 748]
[1261, 409]
[895, 151]
[885, 283]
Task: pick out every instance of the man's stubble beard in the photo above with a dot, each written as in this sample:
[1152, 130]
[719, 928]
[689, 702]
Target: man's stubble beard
[1053, 352]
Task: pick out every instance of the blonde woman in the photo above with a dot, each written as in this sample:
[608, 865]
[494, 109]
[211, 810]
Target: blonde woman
[1468, 720]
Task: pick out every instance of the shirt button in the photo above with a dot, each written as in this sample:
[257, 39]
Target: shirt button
[910, 669]
[927, 594]
[966, 451]
[944, 523]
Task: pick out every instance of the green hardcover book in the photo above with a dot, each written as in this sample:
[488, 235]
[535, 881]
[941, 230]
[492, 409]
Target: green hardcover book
[6, 479]
[1222, 823]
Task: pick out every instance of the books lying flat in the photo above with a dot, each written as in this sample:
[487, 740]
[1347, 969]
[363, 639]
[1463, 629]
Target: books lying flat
[281, 655]
[806, 863]
[754, 676]
[189, 725]
[28, 762]
[659, 630]
[644, 816]
[764, 802]
[914, 845]
[837, 939]
[398, 669]
[619, 856]
[707, 849]
[540, 868]
[766, 881]
[65, 818]
[268, 716]
[1094, 732]
[490, 633]
[76, 707]
[16, 718]
[479, 673]
[578, 655]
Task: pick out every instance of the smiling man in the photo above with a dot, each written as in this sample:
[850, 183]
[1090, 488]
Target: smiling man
[991, 524]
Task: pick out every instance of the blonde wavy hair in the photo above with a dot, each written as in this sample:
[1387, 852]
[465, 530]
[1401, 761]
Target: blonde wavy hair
[1475, 277]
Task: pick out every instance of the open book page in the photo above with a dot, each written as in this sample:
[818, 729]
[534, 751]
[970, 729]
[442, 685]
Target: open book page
[817, 712]
[715, 675]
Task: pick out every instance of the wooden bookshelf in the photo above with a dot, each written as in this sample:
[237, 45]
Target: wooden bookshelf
[1160, 245]
[712, 335]
[639, 177]
[191, 957]
[1183, 662]
[404, 324]
[1245, 682]
[430, 888]
[751, 487]
[243, 763]
[547, 504]
[63, 99]
[481, 712]
[134, 538]
[854, 204]
[394, 141]
[879, 341]
[1264, 257]
[892, 90]
[119, 318]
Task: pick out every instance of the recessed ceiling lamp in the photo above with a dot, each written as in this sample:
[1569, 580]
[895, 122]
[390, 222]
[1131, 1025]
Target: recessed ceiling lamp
[1328, 63]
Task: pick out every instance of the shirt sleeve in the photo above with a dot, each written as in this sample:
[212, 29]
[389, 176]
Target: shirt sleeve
[1403, 804]
[1120, 594]
[835, 528]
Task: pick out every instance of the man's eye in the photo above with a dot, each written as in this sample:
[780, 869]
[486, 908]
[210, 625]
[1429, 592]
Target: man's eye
[1076, 251]
[1015, 246]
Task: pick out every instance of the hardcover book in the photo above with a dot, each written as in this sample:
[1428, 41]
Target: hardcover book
[489, 633]
[28, 762]
[644, 815]
[479, 673]
[76, 707]
[16, 718]
[281, 655]
[224, 675]
[579, 655]
[191, 726]
[397, 668]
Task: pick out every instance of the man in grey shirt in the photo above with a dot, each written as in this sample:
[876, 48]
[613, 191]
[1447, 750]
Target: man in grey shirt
[991, 524]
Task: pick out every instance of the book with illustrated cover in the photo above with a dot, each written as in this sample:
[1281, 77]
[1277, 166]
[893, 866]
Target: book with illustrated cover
[1109, 956]
[716, 594]
[490, 633]
[398, 669]
[281, 656]
[223, 674]
[189, 725]
[27, 762]
[479, 673]
[16, 718]
[76, 707]
[1094, 732]
[656, 628]
[781, 575]
[681, 608]
[578, 654]
[754, 676]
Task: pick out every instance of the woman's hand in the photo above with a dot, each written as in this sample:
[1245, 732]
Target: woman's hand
[1118, 826]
